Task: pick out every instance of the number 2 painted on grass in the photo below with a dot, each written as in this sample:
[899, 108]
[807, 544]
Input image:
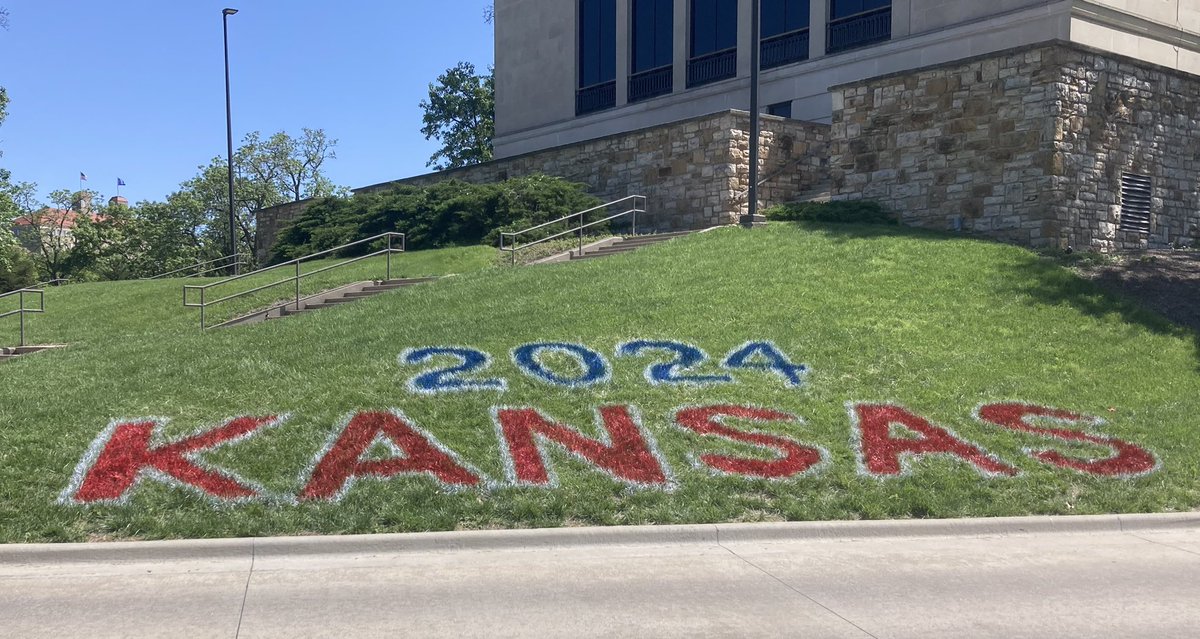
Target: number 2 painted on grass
[449, 379]
[686, 357]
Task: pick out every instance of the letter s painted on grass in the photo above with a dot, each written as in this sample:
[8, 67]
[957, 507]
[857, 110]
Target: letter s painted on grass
[791, 457]
[1129, 460]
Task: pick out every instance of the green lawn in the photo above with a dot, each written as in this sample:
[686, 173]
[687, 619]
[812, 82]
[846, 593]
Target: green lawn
[934, 323]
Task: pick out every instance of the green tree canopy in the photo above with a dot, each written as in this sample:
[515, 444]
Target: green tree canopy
[461, 114]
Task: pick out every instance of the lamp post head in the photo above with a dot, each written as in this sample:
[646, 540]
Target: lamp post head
[228, 12]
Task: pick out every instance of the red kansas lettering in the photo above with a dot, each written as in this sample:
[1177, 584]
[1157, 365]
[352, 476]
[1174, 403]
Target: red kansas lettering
[1128, 460]
[416, 453]
[123, 455]
[883, 455]
[627, 455]
[792, 458]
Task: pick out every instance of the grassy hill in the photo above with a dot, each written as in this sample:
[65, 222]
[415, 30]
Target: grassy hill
[936, 324]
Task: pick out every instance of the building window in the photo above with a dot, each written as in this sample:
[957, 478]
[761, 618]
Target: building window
[781, 109]
[714, 41]
[653, 31]
[597, 56]
[857, 23]
[784, 32]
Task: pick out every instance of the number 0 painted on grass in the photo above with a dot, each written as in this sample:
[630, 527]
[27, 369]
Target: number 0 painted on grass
[449, 379]
[765, 356]
[594, 369]
[686, 357]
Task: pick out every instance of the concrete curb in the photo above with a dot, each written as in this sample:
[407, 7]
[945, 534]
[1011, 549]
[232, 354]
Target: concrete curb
[541, 539]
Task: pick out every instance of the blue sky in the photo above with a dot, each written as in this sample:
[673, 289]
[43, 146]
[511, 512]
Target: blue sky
[135, 88]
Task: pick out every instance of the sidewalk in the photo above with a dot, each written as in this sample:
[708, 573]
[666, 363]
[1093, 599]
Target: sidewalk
[1126, 576]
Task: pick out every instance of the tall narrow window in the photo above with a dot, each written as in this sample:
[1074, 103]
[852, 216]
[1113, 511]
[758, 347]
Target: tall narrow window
[653, 28]
[597, 56]
[857, 23]
[714, 41]
[784, 32]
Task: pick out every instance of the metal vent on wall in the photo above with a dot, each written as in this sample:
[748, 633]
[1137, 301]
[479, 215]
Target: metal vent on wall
[1136, 191]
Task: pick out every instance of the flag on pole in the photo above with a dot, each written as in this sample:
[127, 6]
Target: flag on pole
[120, 182]
[83, 176]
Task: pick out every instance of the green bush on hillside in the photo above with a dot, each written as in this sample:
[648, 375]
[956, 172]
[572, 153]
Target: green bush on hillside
[846, 212]
[17, 269]
[450, 213]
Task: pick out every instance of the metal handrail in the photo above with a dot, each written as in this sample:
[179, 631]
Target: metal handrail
[239, 262]
[638, 206]
[293, 279]
[21, 310]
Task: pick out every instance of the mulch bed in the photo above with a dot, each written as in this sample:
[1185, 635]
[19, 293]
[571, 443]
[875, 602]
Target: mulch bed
[1165, 281]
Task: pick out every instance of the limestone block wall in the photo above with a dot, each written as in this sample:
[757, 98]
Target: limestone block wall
[269, 221]
[1026, 146]
[1121, 116]
[958, 147]
[694, 173]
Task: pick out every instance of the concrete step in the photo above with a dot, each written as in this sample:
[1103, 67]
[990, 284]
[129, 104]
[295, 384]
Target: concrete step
[312, 307]
[395, 284]
[630, 244]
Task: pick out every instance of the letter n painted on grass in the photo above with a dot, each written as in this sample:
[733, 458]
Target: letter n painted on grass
[126, 452]
[791, 457]
[625, 451]
[883, 452]
[1127, 460]
[414, 452]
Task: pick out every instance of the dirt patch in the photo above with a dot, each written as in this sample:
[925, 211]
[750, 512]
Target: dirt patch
[1165, 281]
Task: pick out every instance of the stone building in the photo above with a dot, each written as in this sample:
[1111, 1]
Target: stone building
[1047, 122]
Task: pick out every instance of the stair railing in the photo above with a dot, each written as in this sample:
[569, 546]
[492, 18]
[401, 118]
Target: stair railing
[634, 204]
[221, 263]
[203, 290]
[21, 311]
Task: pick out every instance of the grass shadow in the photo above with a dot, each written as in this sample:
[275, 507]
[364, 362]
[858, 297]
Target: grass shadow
[1045, 280]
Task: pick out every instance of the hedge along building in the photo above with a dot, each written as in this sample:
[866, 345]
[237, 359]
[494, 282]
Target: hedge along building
[1048, 122]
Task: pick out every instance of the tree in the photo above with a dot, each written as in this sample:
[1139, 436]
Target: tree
[460, 113]
[291, 165]
[48, 231]
[267, 172]
[489, 13]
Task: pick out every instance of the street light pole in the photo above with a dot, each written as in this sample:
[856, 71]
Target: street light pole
[233, 251]
[755, 51]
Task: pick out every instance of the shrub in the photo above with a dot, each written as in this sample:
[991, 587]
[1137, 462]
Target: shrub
[450, 213]
[17, 270]
[845, 212]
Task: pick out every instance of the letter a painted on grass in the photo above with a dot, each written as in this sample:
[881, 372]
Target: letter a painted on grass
[882, 454]
[791, 458]
[124, 454]
[625, 451]
[1128, 460]
[415, 452]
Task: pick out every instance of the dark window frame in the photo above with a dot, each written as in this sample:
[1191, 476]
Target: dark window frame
[712, 59]
[596, 37]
